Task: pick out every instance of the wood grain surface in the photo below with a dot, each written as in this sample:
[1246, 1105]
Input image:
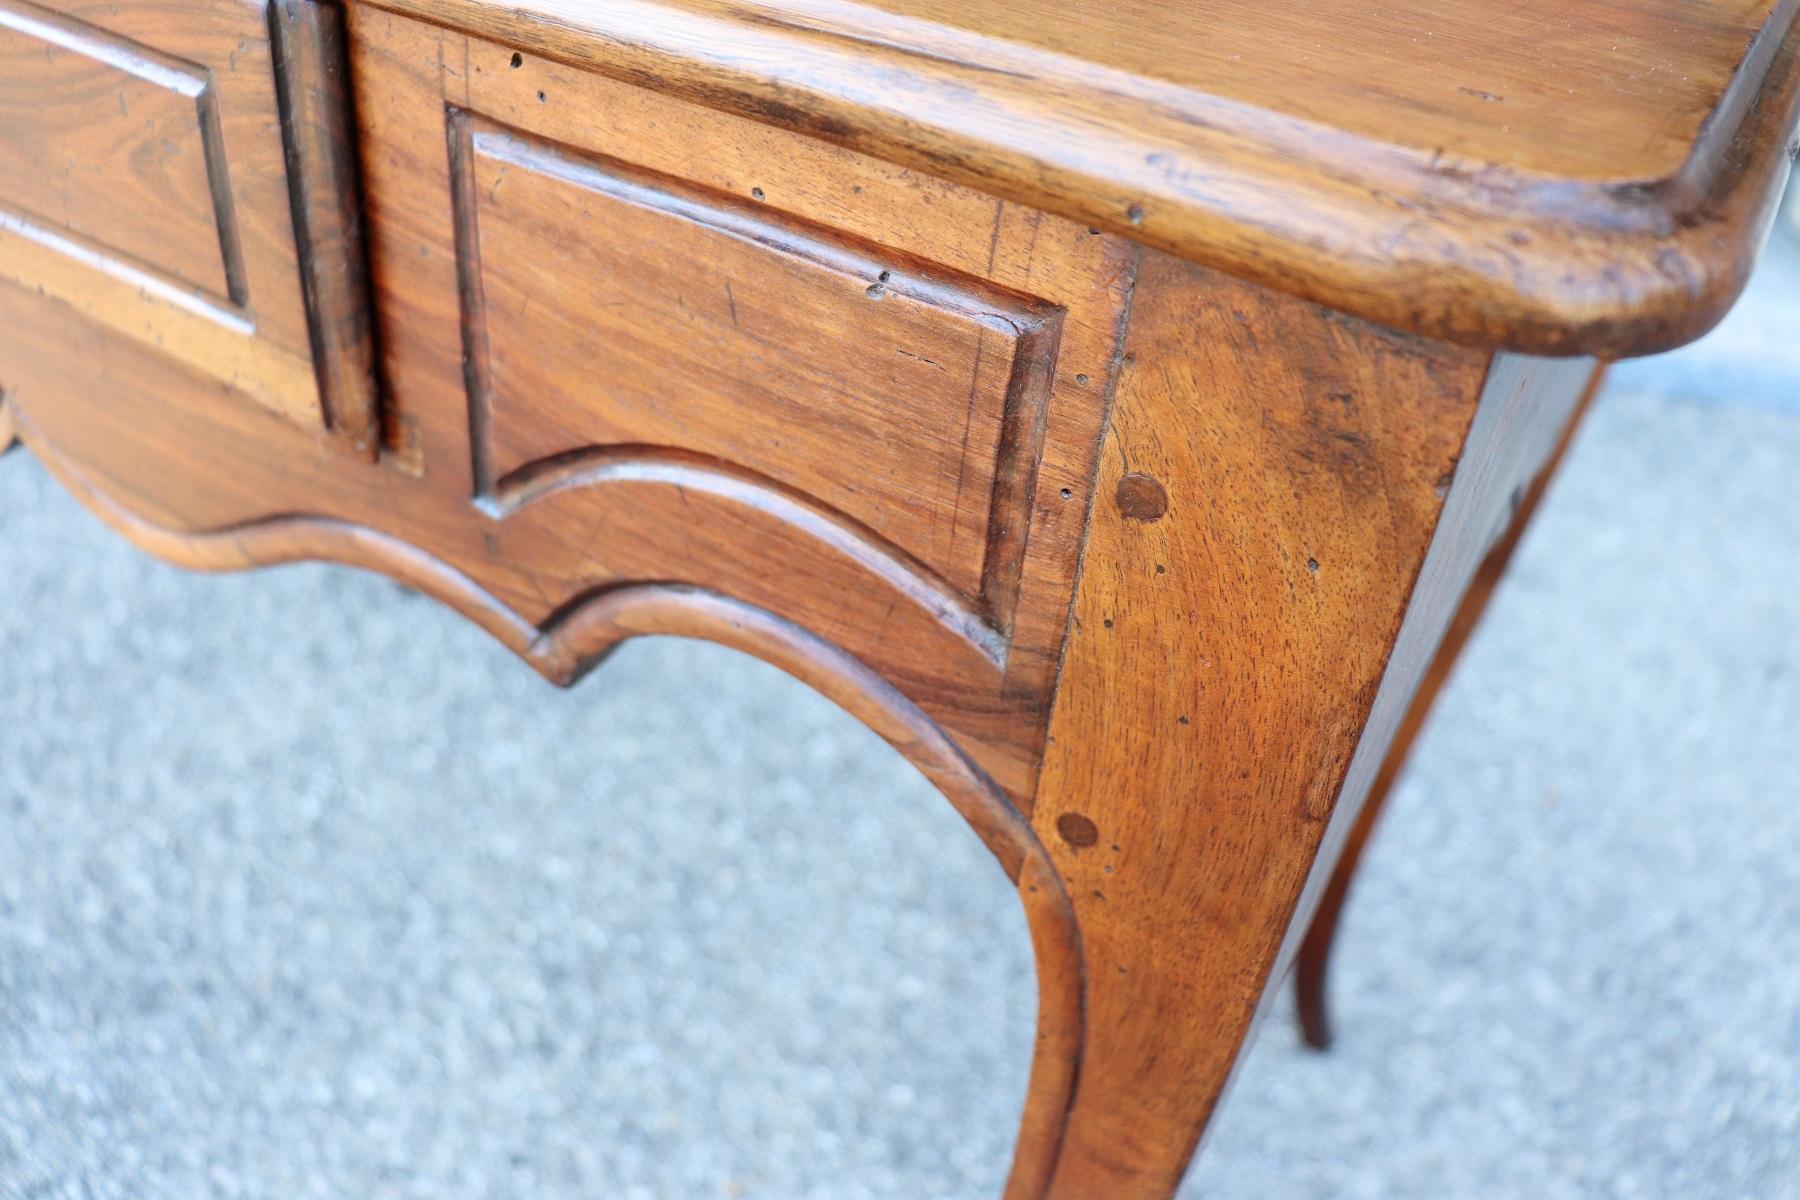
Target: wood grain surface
[1587, 90]
[892, 345]
[838, 370]
[144, 181]
[116, 145]
[1238, 663]
[312, 77]
[618, 312]
[1583, 178]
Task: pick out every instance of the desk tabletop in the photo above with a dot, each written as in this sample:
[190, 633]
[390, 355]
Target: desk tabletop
[1550, 176]
[1603, 91]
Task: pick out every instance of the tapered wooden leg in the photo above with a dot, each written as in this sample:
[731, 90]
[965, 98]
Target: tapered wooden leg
[1312, 966]
[1292, 505]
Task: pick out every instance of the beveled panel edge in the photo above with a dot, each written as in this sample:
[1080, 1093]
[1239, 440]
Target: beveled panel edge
[986, 619]
[148, 312]
[413, 73]
[1540, 266]
[172, 73]
[600, 466]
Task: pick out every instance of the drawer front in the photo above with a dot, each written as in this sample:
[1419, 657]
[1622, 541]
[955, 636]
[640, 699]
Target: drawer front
[110, 144]
[609, 307]
[144, 180]
[707, 352]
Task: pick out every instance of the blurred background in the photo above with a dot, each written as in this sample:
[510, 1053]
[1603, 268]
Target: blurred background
[356, 906]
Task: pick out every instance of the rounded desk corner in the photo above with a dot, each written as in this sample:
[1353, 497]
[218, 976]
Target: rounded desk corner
[1645, 293]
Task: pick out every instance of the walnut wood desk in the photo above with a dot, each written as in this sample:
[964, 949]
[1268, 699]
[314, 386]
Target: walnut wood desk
[1124, 407]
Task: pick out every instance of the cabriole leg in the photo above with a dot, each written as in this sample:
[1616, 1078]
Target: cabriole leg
[1291, 505]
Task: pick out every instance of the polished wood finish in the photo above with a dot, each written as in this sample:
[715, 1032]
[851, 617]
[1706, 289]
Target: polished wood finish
[897, 419]
[1580, 177]
[1659, 68]
[1311, 967]
[144, 182]
[1306, 486]
[968, 363]
[117, 145]
[312, 77]
[851, 394]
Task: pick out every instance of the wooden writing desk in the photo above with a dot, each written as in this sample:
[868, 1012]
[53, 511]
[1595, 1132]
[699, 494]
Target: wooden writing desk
[1124, 408]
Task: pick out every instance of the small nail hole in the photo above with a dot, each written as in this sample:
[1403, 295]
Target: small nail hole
[756, 193]
[1065, 493]
[518, 60]
[1135, 214]
[540, 97]
[1082, 380]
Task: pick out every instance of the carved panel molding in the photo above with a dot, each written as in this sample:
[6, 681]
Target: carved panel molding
[699, 351]
[145, 177]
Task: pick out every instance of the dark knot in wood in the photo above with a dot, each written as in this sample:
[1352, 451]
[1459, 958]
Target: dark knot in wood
[1141, 497]
[1077, 830]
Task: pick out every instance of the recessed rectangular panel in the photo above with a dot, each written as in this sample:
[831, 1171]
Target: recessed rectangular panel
[111, 148]
[857, 378]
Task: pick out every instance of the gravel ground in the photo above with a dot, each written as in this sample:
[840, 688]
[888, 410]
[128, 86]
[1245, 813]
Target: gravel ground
[307, 889]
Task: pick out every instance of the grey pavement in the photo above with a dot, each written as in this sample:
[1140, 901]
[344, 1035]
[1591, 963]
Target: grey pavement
[308, 889]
